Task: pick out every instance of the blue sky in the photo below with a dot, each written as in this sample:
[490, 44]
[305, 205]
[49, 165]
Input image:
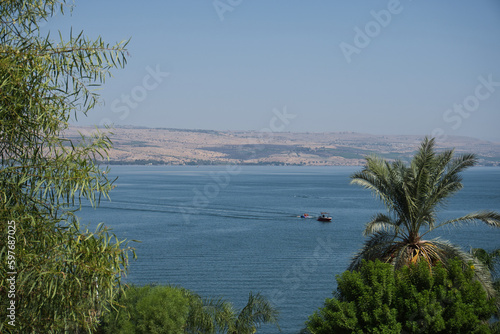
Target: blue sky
[381, 67]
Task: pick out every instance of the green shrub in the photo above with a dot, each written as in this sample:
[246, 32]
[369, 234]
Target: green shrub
[149, 310]
[377, 299]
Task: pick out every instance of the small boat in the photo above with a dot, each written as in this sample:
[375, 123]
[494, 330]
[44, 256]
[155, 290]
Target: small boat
[324, 217]
[305, 215]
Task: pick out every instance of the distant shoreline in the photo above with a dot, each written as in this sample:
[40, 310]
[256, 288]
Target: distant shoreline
[193, 163]
[121, 163]
[145, 146]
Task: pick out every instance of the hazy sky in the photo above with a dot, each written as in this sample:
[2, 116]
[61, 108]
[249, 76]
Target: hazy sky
[382, 67]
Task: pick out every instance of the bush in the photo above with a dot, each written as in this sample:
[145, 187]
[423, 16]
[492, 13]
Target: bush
[415, 299]
[149, 310]
[167, 309]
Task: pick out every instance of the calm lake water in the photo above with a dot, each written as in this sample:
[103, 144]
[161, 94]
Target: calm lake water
[225, 231]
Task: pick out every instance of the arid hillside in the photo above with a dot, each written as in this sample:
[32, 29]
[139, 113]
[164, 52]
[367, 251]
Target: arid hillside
[179, 147]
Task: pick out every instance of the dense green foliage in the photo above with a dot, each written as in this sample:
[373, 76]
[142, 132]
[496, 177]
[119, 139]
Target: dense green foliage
[65, 276]
[413, 194]
[150, 309]
[167, 309]
[413, 299]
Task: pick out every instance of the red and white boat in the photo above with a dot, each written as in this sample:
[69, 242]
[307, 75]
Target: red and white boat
[324, 217]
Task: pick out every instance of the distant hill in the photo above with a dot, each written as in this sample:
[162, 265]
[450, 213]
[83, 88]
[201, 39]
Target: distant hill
[202, 147]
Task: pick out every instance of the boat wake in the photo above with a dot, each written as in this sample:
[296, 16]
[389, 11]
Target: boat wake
[253, 213]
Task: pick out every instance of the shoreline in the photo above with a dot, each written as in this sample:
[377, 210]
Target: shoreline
[195, 147]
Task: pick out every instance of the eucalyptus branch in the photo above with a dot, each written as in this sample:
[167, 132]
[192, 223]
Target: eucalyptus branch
[41, 84]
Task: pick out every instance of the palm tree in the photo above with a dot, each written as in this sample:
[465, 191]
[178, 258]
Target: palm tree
[413, 194]
[208, 315]
[219, 316]
[257, 311]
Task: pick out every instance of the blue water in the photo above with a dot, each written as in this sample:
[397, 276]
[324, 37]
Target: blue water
[225, 231]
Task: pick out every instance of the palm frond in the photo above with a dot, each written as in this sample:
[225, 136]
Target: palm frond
[450, 180]
[406, 253]
[431, 252]
[402, 256]
[374, 176]
[209, 315]
[257, 311]
[219, 312]
[460, 163]
[490, 218]
[380, 222]
[400, 185]
[423, 162]
[378, 246]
